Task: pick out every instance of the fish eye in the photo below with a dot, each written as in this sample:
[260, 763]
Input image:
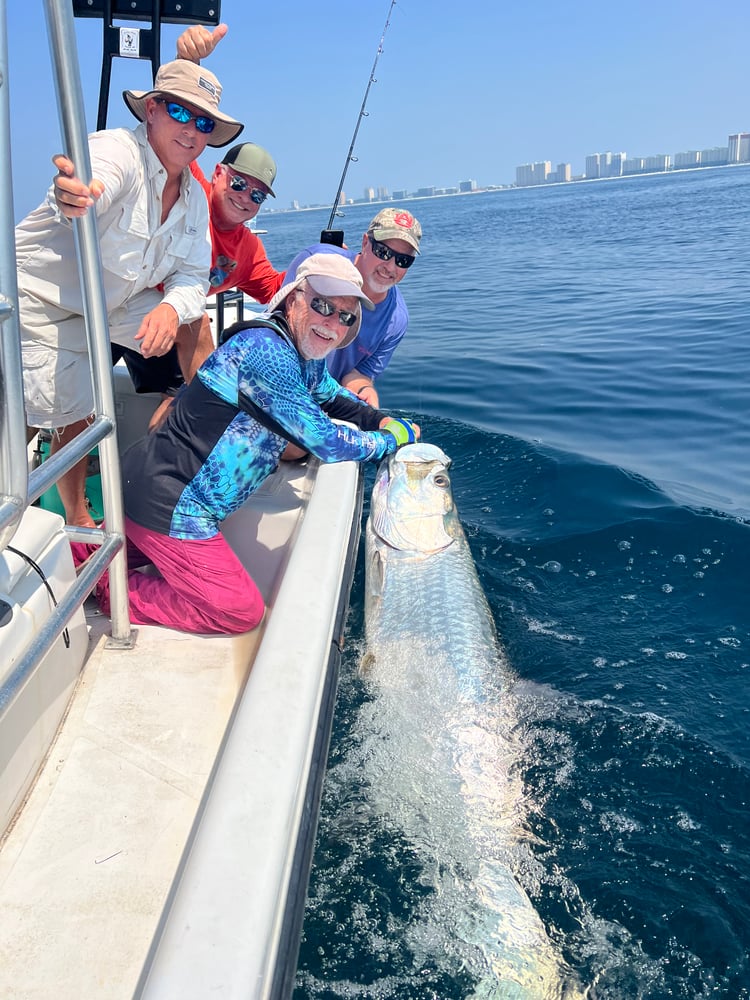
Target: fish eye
[441, 480]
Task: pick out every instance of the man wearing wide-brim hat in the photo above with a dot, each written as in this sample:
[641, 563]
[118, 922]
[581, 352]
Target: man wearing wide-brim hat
[155, 253]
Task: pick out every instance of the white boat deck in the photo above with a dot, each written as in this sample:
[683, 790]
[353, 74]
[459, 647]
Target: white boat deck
[86, 870]
[90, 862]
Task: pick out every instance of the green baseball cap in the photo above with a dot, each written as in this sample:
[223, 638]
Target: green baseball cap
[254, 161]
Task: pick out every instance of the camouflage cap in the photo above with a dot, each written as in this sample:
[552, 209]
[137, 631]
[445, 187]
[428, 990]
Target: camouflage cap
[396, 224]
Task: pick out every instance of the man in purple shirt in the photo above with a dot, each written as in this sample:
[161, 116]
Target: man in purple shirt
[389, 247]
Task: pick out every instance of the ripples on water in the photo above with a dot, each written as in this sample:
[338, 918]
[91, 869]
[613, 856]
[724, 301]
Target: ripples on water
[609, 319]
[582, 354]
[625, 618]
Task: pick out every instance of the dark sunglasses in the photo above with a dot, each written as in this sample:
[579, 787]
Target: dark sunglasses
[325, 308]
[382, 252]
[238, 183]
[203, 123]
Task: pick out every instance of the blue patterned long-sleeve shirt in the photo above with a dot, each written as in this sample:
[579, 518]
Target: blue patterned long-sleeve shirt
[226, 431]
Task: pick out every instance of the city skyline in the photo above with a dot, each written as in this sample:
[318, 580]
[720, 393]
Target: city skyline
[737, 151]
[609, 164]
[447, 104]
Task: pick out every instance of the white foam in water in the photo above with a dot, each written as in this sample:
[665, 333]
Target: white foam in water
[442, 771]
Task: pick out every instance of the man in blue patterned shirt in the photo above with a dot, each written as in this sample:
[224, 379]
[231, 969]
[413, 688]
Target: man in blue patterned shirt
[262, 388]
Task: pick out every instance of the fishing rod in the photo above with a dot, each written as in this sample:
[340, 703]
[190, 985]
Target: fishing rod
[336, 236]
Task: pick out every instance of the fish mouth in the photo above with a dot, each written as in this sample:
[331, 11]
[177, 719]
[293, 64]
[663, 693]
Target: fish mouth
[420, 452]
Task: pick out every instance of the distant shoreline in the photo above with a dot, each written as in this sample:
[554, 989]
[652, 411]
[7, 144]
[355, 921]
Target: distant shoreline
[494, 189]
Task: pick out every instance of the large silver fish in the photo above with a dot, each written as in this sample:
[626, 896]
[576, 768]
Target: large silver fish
[441, 755]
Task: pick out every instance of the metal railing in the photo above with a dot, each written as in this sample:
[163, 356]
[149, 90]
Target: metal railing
[18, 486]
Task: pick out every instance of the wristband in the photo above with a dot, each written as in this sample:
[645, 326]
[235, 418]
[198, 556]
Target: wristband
[402, 430]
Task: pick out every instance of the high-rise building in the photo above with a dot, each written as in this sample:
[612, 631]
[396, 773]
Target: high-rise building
[592, 166]
[739, 147]
[616, 164]
[533, 173]
[714, 157]
[690, 158]
[467, 186]
[370, 194]
[633, 165]
[524, 175]
[662, 161]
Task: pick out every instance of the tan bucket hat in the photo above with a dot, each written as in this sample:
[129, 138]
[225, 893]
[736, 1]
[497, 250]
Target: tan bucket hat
[187, 81]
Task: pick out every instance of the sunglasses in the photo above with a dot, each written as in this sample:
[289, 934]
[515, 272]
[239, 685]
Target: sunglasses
[325, 308]
[203, 123]
[238, 183]
[382, 252]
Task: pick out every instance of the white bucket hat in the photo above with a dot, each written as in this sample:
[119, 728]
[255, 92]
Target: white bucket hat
[187, 81]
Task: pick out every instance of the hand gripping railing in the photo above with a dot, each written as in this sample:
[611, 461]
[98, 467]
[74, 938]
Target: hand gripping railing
[18, 488]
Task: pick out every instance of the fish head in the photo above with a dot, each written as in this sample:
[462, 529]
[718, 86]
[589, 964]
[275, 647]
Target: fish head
[412, 507]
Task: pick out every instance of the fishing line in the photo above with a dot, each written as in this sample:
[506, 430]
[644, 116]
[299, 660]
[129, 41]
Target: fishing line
[350, 158]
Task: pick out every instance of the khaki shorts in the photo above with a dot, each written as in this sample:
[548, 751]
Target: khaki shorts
[56, 369]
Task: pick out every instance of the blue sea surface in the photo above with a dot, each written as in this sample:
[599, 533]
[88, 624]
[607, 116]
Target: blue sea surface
[582, 354]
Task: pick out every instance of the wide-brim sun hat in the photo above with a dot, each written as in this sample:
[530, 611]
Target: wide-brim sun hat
[331, 275]
[188, 81]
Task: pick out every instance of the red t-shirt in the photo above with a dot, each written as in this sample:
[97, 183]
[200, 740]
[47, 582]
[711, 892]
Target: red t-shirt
[238, 258]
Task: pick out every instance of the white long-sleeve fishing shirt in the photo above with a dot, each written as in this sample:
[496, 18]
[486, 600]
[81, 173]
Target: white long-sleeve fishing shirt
[138, 251]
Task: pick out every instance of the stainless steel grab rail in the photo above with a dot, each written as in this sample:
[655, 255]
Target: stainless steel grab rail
[18, 487]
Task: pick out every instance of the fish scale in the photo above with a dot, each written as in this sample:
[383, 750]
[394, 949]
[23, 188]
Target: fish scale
[412, 607]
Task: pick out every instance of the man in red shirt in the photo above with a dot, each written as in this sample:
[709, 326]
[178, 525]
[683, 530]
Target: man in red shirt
[238, 187]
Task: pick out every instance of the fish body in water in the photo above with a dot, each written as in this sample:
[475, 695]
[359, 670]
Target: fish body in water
[442, 756]
[422, 585]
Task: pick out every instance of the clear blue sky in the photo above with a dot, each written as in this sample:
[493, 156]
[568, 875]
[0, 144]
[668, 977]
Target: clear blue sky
[463, 90]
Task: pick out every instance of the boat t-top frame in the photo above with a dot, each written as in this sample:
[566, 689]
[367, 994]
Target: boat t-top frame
[139, 42]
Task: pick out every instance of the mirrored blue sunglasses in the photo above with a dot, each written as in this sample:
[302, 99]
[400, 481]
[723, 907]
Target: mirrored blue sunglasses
[203, 123]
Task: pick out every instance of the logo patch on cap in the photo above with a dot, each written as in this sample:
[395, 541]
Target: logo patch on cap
[404, 220]
[207, 85]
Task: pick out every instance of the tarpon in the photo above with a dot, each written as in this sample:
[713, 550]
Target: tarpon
[441, 756]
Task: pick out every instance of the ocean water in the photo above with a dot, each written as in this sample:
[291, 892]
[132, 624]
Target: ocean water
[582, 354]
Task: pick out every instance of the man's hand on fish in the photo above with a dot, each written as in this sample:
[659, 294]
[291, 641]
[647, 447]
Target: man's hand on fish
[404, 431]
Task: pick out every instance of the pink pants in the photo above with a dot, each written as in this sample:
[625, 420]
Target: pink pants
[203, 586]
